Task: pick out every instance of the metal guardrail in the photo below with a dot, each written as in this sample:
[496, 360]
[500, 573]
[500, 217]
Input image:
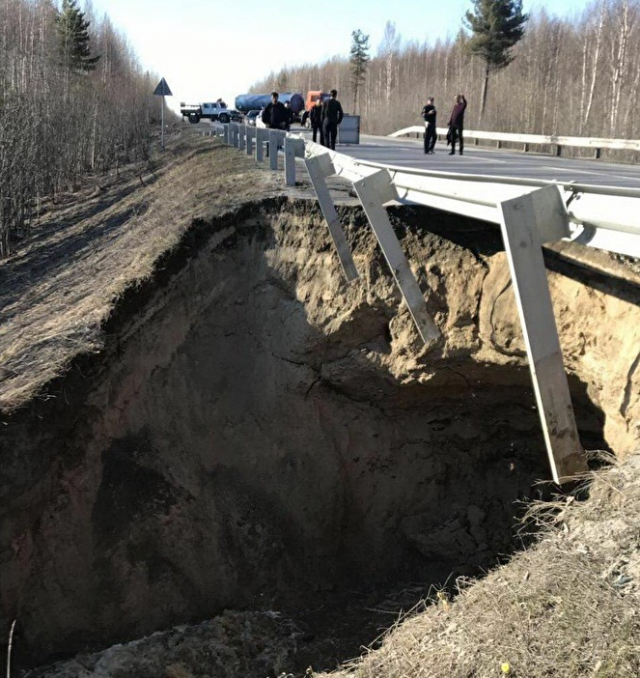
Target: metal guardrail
[530, 213]
[539, 139]
[605, 217]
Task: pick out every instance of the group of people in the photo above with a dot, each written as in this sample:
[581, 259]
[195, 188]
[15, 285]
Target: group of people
[325, 116]
[455, 124]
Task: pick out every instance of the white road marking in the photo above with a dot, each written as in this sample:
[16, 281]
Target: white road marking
[575, 170]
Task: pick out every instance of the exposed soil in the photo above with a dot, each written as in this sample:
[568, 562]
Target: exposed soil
[200, 414]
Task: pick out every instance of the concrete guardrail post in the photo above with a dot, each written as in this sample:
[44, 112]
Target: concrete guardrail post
[250, 132]
[528, 222]
[373, 191]
[273, 149]
[320, 167]
[261, 136]
[292, 148]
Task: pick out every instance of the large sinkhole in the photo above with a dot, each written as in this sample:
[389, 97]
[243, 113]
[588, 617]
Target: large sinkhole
[260, 434]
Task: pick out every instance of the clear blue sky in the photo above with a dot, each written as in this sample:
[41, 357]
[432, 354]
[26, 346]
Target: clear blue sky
[207, 49]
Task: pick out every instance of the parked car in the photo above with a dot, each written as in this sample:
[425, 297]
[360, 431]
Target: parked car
[251, 117]
[235, 116]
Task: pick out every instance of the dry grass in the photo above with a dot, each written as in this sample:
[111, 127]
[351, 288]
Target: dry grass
[56, 293]
[568, 607]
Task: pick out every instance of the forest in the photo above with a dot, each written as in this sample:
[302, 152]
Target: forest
[73, 100]
[577, 76]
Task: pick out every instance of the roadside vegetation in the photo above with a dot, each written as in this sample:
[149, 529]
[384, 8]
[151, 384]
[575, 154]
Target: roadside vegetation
[575, 76]
[567, 607]
[73, 100]
[95, 243]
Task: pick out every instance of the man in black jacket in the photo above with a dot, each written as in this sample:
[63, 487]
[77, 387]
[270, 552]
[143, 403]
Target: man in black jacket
[315, 117]
[332, 115]
[275, 115]
[456, 123]
[429, 116]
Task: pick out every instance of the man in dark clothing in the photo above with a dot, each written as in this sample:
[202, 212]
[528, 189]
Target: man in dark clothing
[315, 117]
[456, 123]
[275, 115]
[429, 116]
[332, 115]
[288, 117]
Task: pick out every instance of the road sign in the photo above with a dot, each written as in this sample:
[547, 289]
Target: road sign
[163, 89]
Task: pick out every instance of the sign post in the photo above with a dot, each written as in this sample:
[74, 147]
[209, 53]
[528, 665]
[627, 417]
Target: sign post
[163, 90]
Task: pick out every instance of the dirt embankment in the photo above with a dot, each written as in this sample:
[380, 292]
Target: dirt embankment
[253, 425]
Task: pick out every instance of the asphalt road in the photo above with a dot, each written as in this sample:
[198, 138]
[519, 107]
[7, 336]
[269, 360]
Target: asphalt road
[409, 153]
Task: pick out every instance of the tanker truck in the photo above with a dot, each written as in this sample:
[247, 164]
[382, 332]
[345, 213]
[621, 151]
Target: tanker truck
[256, 102]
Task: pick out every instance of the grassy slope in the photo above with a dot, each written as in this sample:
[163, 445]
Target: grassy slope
[567, 607]
[56, 292]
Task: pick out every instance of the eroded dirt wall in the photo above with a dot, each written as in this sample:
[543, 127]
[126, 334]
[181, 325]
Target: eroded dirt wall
[259, 427]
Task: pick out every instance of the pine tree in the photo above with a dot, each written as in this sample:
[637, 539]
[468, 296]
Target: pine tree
[359, 58]
[74, 39]
[496, 25]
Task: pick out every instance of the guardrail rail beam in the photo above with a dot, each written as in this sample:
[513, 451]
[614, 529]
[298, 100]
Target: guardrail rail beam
[527, 222]
[373, 191]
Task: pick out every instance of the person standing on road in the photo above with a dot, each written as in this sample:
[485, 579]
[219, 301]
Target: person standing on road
[315, 117]
[456, 123]
[289, 116]
[429, 116]
[332, 115]
[275, 115]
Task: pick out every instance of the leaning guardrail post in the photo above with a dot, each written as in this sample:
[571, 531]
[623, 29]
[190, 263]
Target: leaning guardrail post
[373, 191]
[320, 167]
[273, 149]
[293, 148]
[527, 222]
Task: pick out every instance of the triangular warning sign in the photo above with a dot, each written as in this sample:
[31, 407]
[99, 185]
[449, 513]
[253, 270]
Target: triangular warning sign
[163, 89]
